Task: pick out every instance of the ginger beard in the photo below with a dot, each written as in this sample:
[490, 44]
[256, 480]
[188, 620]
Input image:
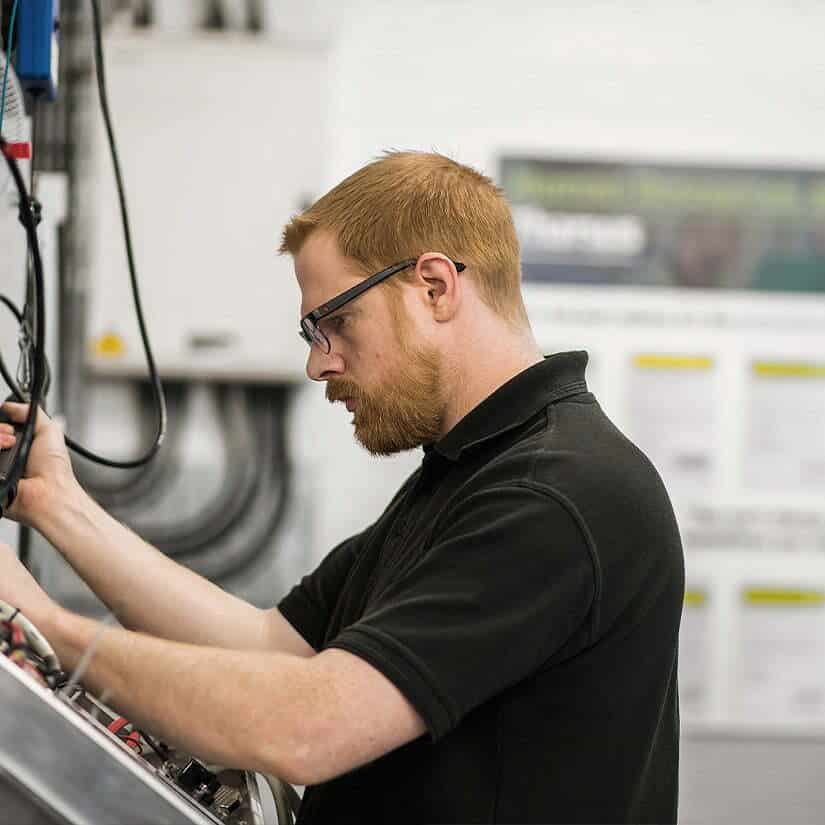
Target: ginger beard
[405, 413]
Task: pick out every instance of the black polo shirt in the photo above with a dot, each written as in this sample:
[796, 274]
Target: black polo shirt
[523, 590]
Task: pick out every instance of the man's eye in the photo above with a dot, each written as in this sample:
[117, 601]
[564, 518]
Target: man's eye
[335, 325]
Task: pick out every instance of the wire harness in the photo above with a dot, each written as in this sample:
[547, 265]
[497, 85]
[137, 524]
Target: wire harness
[26, 646]
[36, 369]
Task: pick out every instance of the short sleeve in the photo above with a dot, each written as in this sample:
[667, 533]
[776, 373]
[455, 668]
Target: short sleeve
[507, 581]
[309, 605]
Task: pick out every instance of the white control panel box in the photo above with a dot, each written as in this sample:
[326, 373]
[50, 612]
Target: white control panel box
[220, 140]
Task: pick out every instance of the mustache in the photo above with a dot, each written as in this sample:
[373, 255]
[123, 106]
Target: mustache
[340, 390]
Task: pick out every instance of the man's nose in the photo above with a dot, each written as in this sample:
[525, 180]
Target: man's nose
[322, 365]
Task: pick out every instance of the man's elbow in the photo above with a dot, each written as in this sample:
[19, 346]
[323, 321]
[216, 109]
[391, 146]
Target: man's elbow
[294, 768]
[301, 756]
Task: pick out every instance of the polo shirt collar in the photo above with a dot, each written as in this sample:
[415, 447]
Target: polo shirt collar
[557, 376]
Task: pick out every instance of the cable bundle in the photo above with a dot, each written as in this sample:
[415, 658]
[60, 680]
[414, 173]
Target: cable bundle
[23, 644]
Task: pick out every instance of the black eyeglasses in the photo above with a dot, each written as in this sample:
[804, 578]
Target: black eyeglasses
[310, 330]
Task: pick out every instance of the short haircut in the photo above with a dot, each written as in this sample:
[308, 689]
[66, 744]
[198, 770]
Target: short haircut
[403, 204]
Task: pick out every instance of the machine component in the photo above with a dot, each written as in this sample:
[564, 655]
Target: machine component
[245, 333]
[23, 643]
[199, 782]
[13, 125]
[52, 760]
[37, 47]
[227, 800]
[61, 753]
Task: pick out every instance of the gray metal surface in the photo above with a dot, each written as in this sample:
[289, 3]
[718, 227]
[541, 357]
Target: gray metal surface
[747, 778]
[74, 771]
[18, 806]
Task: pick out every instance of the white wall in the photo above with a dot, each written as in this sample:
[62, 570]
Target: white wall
[730, 80]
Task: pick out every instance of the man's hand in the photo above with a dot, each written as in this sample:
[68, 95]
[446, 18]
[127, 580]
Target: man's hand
[48, 474]
[19, 589]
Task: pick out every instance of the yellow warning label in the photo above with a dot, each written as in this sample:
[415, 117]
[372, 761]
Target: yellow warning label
[109, 345]
[672, 362]
[778, 369]
[695, 598]
[781, 596]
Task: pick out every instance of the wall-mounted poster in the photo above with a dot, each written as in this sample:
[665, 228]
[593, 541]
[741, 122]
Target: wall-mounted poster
[673, 407]
[786, 436]
[782, 652]
[668, 225]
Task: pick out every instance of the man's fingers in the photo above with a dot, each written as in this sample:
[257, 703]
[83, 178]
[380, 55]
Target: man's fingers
[18, 412]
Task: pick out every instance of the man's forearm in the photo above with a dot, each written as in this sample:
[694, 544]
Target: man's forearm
[144, 589]
[241, 709]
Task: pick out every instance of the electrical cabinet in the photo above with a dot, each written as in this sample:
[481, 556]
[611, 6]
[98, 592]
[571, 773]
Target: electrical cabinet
[220, 140]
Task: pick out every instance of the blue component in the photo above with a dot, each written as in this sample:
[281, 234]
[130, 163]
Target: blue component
[37, 47]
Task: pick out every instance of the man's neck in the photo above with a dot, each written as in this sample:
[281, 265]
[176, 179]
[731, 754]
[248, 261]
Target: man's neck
[489, 366]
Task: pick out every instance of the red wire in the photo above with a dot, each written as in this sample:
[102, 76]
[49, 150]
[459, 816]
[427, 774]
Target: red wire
[131, 740]
[18, 638]
[118, 724]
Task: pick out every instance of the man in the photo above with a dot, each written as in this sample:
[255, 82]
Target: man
[500, 646]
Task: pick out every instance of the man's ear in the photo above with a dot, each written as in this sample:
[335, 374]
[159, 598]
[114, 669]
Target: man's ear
[442, 286]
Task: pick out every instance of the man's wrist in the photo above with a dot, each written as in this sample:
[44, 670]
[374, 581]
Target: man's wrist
[66, 510]
[49, 623]
[59, 626]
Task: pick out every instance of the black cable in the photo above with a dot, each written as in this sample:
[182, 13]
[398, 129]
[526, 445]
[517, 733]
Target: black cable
[9, 484]
[34, 303]
[146, 484]
[153, 374]
[16, 393]
[155, 746]
[12, 308]
[29, 324]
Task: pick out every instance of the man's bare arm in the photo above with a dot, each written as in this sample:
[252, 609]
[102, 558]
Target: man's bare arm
[303, 719]
[147, 591]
